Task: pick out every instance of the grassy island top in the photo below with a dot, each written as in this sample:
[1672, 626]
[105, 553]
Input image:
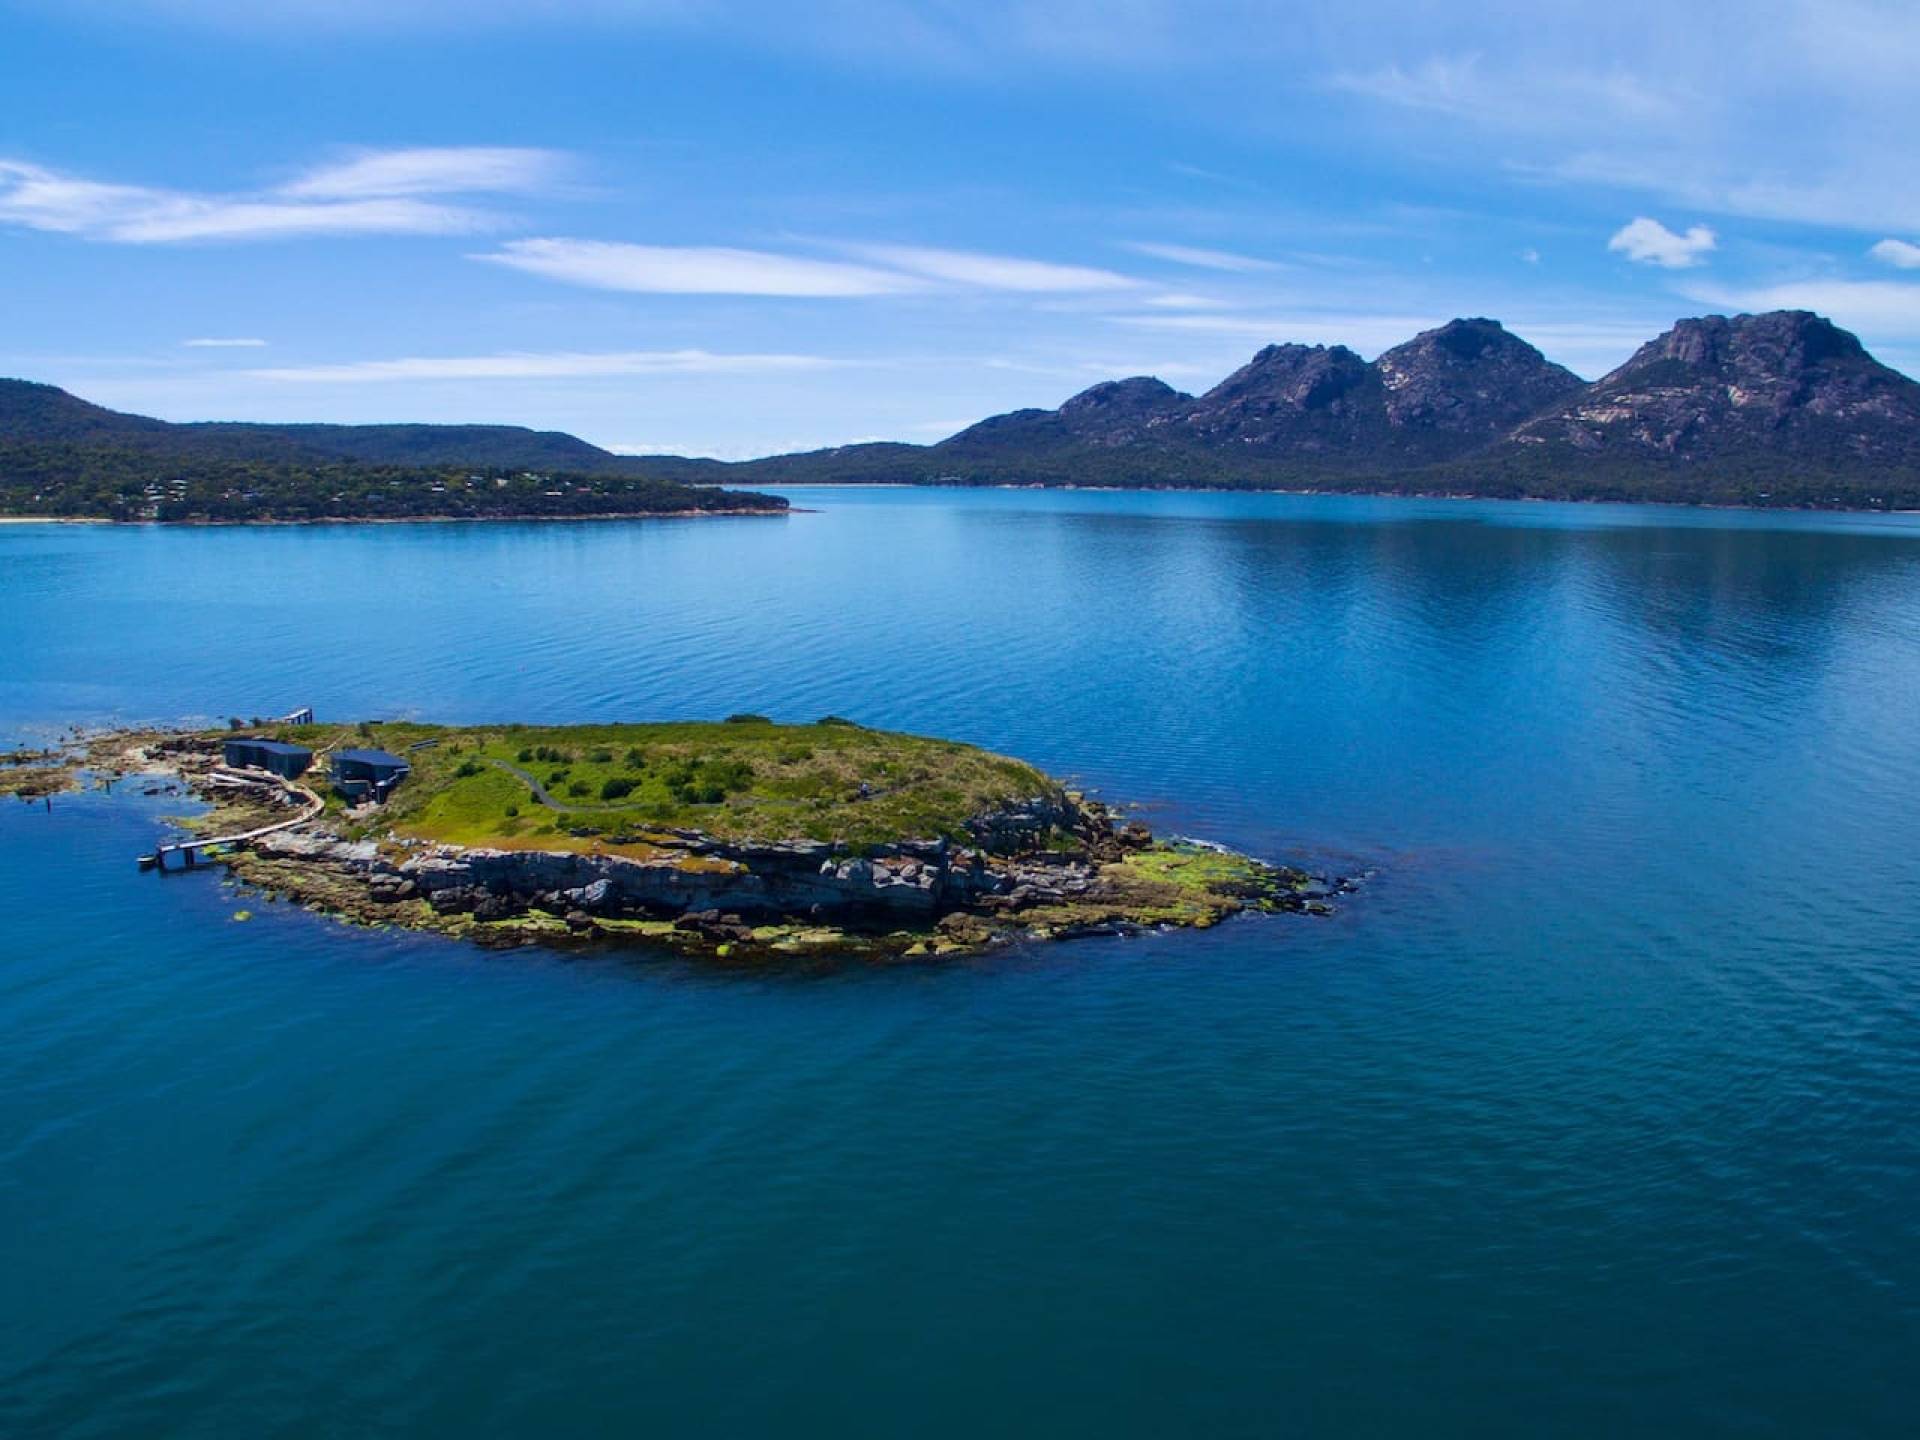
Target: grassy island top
[605, 786]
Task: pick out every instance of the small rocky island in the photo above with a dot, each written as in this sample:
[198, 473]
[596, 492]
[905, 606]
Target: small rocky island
[734, 838]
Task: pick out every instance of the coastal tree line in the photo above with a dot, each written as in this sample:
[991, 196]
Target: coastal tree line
[59, 479]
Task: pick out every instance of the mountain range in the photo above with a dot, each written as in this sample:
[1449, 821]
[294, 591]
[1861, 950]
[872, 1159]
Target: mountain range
[1783, 408]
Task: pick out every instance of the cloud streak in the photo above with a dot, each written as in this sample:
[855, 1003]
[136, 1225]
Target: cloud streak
[1463, 87]
[720, 270]
[429, 170]
[1200, 258]
[532, 365]
[375, 193]
[994, 272]
[224, 343]
[694, 270]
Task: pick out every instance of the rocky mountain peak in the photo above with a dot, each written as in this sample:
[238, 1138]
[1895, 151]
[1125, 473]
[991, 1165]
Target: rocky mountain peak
[1463, 344]
[1780, 343]
[1717, 387]
[1301, 377]
[1469, 377]
[1141, 394]
[1118, 412]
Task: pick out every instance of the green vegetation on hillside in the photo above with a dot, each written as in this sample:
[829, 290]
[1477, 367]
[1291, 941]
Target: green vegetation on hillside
[1777, 480]
[117, 483]
[611, 785]
[36, 414]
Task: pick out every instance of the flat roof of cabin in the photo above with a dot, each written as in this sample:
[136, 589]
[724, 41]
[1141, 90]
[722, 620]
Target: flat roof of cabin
[274, 747]
[371, 757]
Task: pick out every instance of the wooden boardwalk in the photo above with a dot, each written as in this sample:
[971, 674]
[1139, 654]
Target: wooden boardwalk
[188, 849]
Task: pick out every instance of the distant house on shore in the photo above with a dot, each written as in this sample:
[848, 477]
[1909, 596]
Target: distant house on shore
[367, 774]
[289, 762]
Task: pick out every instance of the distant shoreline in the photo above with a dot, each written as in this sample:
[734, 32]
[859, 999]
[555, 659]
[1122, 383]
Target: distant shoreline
[1450, 495]
[400, 519]
[775, 488]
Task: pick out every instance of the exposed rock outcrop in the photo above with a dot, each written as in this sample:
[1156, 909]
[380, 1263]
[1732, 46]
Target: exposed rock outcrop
[911, 882]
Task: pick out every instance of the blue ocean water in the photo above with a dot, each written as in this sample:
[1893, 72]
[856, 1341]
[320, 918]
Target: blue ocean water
[1596, 1111]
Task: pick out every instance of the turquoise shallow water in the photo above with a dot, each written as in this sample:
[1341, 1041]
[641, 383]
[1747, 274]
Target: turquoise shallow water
[1594, 1113]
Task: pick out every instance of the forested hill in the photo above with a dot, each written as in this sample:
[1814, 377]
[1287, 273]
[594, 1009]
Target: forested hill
[61, 455]
[35, 413]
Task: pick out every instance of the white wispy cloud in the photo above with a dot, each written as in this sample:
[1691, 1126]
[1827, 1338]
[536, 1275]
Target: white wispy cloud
[1467, 87]
[694, 269]
[236, 342]
[267, 220]
[1200, 257]
[993, 272]
[533, 365]
[1901, 254]
[722, 270]
[1647, 242]
[1183, 300]
[430, 170]
[1448, 83]
[376, 193]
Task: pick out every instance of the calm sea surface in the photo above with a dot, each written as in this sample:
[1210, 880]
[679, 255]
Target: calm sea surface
[1595, 1113]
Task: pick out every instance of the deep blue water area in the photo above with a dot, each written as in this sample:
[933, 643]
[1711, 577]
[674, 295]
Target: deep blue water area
[1596, 1111]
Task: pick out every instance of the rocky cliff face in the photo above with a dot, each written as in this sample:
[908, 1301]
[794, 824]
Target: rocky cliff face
[912, 882]
[1725, 388]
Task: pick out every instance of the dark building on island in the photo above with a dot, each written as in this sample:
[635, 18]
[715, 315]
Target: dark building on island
[289, 762]
[367, 774]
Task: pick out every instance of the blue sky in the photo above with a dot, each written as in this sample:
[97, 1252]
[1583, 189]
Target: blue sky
[732, 229]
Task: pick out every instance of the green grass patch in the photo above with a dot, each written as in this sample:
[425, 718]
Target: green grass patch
[743, 778]
[1196, 867]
